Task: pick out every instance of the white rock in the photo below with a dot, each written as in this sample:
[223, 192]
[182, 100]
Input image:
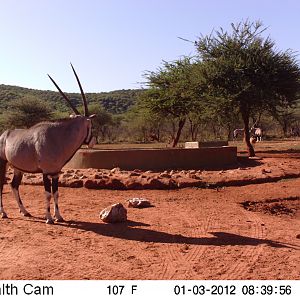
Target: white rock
[115, 170]
[114, 214]
[138, 203]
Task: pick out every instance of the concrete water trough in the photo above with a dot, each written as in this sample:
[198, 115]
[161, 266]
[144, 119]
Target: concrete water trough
[205, 144]
[155, 159]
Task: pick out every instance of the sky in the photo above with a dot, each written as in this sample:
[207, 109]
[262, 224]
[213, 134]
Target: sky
[112, 43]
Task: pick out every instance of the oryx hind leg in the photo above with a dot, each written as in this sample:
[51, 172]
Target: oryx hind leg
[57, 215]
[47, 186]
[15, 189]
[2, 181]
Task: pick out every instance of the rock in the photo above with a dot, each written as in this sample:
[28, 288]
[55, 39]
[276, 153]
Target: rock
[114, 214]
[98, 176]
[160, 184]
[138, 203]
[194, 176]
[115, 184]
[133, 174]
[176, 176]
[71, 183]
[189, 182]
[265, 171]
[95, 184]
[115, 170]
[165, 175]
[132, 184]
[67, 175]
[76, 184]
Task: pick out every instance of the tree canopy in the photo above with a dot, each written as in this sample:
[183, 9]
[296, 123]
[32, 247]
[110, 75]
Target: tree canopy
[26, 112]
[244, 71]
[237, 73]
[173, 91]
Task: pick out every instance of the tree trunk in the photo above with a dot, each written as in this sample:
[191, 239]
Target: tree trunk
[250, 148]
[285, 128]
[178, 133]
[229, 130]
[193, 129]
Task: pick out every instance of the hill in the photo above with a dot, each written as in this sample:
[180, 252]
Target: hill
[115, 102]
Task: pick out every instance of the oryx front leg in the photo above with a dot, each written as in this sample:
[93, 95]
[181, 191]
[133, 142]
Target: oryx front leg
[2, 181]
[47, 186]
[3, 214]
[15, 189]
[57, 215]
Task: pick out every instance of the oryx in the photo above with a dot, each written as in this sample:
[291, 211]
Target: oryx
[44, 148]
[257, 133]
[237, 132]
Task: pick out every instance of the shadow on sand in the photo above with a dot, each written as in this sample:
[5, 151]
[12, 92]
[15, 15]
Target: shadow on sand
[131, 230]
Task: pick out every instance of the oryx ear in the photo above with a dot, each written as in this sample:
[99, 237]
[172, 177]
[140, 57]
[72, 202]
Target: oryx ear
[92, 116]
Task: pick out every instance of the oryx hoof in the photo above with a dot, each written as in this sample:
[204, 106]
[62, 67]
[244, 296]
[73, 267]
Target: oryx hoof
[4, 215]
[27, 214]
[59, 219]
[49, 221]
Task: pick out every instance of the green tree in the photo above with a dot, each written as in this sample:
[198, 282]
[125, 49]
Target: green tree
[245, 70]
[285, 118]
[172, 92]
[101, 121]
[26, 112]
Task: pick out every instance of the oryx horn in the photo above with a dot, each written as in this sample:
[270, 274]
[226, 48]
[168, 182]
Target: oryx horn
[84, 102]
[64, 96]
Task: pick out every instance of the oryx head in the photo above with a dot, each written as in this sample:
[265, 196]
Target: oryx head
[90, 140]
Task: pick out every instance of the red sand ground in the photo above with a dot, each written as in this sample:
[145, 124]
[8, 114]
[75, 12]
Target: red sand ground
[237, 232]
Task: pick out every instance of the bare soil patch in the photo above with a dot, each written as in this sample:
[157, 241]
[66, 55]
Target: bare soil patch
[187, 233]
[286, 206]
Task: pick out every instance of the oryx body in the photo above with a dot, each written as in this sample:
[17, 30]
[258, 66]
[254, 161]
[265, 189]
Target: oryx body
[44, 148]
[258, 133]
[237, 132]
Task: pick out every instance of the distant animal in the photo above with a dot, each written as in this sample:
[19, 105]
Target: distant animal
[258, 133]
[237, 132]
[44, 148]
[295, 131]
